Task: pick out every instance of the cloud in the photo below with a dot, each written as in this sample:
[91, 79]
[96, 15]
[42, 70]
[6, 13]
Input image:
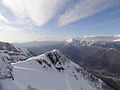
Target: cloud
[4, 27]
[3, 19]
[85, 8]
[40, 12]
[101, 37]
[17, 36]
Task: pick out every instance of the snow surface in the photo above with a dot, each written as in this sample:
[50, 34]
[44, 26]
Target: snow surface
[51, 71]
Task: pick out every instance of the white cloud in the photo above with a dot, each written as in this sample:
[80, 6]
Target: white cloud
[117, 35]
[17, 36]
[40, 12]
[4, 27]
[85, 8]
[3, 19]
[101, 37]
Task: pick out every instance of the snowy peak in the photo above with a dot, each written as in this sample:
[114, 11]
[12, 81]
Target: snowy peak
[55, 64]
[94, 41]
[12, 53]
[78, 42]
[57, 59]
[96, 38]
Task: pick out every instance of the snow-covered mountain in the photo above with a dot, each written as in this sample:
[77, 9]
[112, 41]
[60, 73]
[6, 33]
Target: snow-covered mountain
[51, 71]
[88, 41]
[13, 53]
[100, 38]
[100, 57]
[77, 42]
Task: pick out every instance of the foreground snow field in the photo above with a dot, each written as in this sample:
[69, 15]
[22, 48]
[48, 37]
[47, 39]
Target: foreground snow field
[51, 71]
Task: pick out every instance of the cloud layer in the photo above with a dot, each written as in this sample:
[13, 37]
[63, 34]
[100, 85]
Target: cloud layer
[41, 11]
[102, 37]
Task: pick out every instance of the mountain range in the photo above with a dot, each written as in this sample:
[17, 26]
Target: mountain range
[102, 58]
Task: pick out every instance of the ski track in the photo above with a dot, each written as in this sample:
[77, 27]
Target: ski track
[29, 69]
[67, 82]
[68, 86]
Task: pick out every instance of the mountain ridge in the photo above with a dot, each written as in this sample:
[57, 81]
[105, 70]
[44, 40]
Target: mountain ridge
[13, 53]
[38, 72]
[55, 61]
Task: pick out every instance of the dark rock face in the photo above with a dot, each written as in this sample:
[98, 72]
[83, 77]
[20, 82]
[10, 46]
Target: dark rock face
[5, 69]
[56, 58]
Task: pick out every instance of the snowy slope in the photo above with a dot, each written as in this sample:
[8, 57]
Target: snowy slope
[51, 71]
[5, 69]
[12, 53]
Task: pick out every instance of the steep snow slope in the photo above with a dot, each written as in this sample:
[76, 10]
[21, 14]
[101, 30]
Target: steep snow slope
[12, 53]
[5, 69]
[6, 73]
[52, 71]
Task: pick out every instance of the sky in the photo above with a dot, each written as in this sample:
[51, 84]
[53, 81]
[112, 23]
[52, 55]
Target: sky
[57, 20]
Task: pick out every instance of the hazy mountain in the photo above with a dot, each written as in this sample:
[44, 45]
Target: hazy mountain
[41, 47]
[37, 43]
[40, 50]
[12, 53]
[51, 71]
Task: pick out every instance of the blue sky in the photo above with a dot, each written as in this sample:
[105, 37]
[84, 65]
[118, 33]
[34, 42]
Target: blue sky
[43, 20]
